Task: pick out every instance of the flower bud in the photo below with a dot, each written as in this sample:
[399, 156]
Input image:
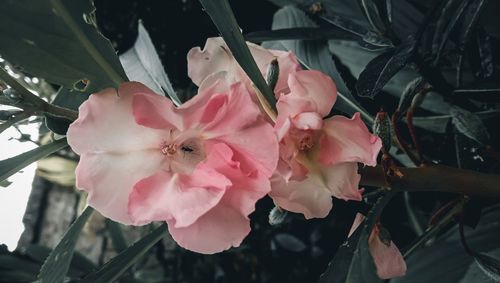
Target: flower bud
[273, 73]
[277, 215]
[382, 128]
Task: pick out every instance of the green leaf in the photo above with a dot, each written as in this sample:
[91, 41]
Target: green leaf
[59, 41]
[315, 55]
[221, 14]
[353, 262]
[12, 165]
[119, 264]
[57, 264]
[469, 124]
[383, 67]
[116, 233]
[142, 64]
[372, 14]
[79, 263]
[302, 33]
[66, 98]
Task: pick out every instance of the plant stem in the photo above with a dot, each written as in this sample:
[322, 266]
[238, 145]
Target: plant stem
[33, 103]
[436, 178]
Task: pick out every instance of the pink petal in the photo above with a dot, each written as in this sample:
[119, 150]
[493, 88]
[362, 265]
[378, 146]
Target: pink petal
[308, 121]
[387, 258]
[110, 178]
[246, 188]
[308, 197]
[313, 86]
[217, 230]
[154, 111]
[348, 140]
[214, 57]
[180, 198]
[105, 123]
[288, 64]
[342, 180]
[255, 147]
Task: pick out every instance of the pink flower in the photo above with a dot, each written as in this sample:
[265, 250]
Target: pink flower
[200, 167]
[385, 254]
[215, 60]
[318, 158]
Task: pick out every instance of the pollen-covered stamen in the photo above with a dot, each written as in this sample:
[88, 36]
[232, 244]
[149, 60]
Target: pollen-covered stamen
[169, 149]
[306, 143]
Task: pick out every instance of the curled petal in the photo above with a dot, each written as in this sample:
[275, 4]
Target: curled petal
[387, 257]
[342, 180]
[110, 178]
[348, 140]
[246, 187]
[312, 86]
[105, 119]
[308, 197]
[217, 230]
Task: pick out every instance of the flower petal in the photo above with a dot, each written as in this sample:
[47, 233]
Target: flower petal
[217, 230]
[342, 180]
[105, 123]
[246, 188]
[110, 178]
[171, 196]
[154, 111]
[348, 140]
[288, 64]
[387, 258]
[214, 57]
[307, 196]
[315, 87]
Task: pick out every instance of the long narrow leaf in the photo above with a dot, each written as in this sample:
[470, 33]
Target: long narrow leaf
[57, 264]
[119, 264]
[10, 166]
[224, 20]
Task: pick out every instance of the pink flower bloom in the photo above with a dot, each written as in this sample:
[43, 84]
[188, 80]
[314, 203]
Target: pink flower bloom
[200, 167]
[385, 254]
[215, 60]
[319, 158]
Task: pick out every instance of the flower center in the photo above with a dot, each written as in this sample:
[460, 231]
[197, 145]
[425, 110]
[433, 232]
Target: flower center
[169, 149]
[306, 143]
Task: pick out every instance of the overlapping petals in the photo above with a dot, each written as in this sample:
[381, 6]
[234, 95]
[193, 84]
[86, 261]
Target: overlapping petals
[319, 158]
[199, 167]
[386, 256]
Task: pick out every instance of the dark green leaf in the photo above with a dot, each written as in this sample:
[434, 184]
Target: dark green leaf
[221, 14]
[10, 166]
[59, 41]
[331, 12]
[411, 89]
[383, 67]
[68, 99]
[119, 264]
[79, 263]
[315, 55]
[485, 54]
[5, 183]
[470, 20]
[372, 15]
[13, 262]
[470, 125]
[489, 265]
[57, 264]
[443, 36]
[353, 262]
[305, 33]
[116, 233]
[142, 64]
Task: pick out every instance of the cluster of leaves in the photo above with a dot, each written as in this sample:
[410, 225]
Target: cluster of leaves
[370, 48]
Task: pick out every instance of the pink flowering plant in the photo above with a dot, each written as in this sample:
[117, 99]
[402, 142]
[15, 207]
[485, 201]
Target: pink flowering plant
[270, 129]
